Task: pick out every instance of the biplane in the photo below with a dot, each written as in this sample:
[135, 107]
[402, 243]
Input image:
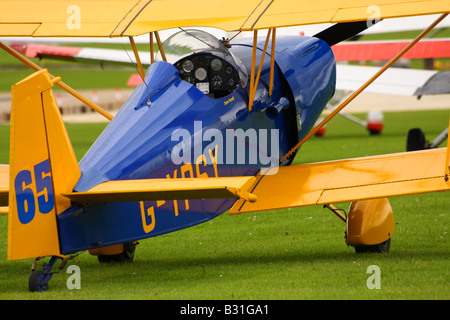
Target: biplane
[214, 127]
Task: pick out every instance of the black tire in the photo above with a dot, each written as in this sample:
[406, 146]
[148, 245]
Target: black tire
[36, 281]
[416, 140]
[374, 132]
[378, 248]
[127, 255]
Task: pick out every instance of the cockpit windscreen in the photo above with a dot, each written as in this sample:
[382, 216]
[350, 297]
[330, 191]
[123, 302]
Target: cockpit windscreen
[205, 62]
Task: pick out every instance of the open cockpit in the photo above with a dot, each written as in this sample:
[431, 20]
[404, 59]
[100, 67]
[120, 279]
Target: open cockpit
[205, 62]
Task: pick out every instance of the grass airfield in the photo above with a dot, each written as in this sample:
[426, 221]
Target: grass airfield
[291, 254]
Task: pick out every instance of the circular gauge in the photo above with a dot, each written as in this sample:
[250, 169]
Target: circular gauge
[189, 79]
[216, 64]
[188, 66]
[200, 74]
[216, 80]
[229, 70]
[231, 82]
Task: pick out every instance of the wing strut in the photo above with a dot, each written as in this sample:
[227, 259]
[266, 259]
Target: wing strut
[60, 84]
[254, 80]
[272, 61]
[152, 54]
[136, 55]
[447, 159]
[365, 85]
[160, 47]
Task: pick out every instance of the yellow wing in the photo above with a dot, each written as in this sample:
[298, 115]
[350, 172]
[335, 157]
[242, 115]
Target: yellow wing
[130, 18]
[149, 189]
[166, 189]
[287, 13]
[347, 180]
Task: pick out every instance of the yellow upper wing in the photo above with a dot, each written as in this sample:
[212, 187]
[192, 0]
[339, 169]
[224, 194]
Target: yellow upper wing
[347, 180]
[129, 18]
[282, 13]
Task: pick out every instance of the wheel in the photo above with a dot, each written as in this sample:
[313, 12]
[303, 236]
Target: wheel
[374, 132]
[127, 255]
[380, 248]
[416, 140]
[36, 281]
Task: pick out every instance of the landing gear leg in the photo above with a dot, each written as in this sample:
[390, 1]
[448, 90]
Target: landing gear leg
[39, 279]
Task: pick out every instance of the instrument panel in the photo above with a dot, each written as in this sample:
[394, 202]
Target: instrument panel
[212, 75]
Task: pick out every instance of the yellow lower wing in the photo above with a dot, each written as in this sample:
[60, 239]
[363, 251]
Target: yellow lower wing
[150, 189]
[348, 180]
[166, 189]
[292, 186]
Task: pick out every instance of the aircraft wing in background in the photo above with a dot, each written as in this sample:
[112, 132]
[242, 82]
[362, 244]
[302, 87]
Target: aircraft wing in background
[81, 54]
[385, 50]
[399, 81]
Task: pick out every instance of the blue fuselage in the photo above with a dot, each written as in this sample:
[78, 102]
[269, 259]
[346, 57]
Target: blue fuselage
[169, 128]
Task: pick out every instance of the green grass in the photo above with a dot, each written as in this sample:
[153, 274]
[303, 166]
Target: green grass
[291, 254]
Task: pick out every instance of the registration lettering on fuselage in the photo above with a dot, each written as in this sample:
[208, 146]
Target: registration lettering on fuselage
[187, 170]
